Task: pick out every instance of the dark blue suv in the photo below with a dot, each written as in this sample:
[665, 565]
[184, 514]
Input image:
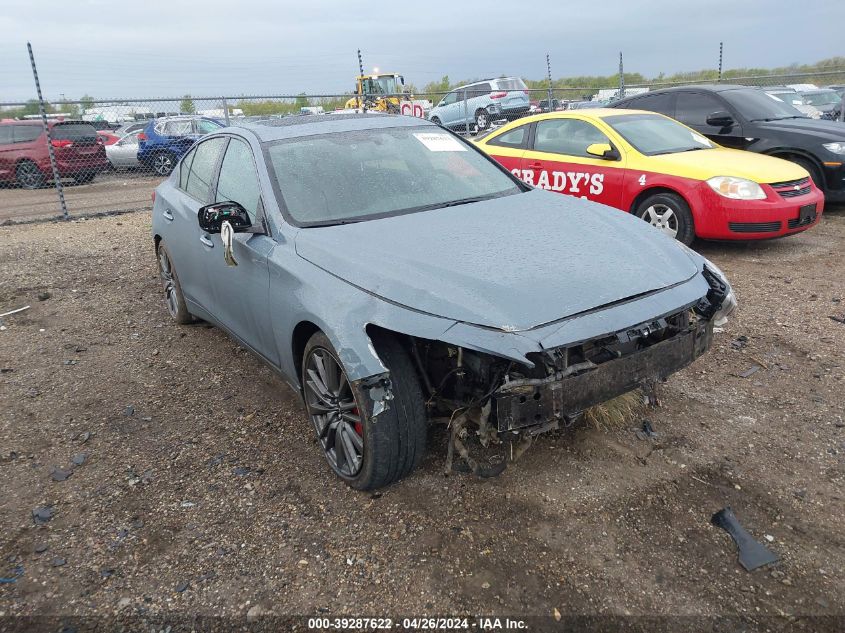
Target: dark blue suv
[165, 140]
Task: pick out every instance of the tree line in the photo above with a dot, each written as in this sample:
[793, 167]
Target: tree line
[574, 87]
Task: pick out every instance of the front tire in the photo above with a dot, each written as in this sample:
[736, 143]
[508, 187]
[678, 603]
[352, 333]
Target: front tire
[367, 451]
[815, 174]
[163, 163]
[436, 120]
[670, 213]
[173, 297]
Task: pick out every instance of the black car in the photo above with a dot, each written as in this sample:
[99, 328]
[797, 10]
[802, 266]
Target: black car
[747, 118]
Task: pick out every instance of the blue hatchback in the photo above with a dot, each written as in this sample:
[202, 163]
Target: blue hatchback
[165, 140]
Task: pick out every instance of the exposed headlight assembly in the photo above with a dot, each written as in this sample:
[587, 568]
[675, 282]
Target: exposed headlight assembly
[721, 294]
[836, 148]
[736, 188]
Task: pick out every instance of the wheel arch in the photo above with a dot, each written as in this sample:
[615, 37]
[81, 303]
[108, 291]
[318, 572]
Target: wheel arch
[788, 153]
[303, 331]
[645, 193]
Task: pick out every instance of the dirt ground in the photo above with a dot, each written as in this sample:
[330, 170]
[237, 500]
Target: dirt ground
[112, 191]
[203, 492]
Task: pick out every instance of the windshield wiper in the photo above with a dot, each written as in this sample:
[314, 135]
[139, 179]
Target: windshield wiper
[332, 223]
[455, 203]
[780, 118]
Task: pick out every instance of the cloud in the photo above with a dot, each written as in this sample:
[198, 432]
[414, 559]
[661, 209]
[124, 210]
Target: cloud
[109, 49]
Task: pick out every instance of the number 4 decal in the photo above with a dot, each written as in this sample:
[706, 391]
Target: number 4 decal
[642, 180]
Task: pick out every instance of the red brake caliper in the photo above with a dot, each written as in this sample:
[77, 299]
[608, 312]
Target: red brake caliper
[359, 428]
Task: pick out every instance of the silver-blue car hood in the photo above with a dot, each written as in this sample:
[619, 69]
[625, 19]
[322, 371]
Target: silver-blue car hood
[511, 263]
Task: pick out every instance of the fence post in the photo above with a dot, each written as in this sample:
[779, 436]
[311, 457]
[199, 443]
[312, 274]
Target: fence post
[56, 179]
[621, 78]
[225, 110]
[842, 109]
[720, 60]
[549, 73]
[466, 116]
[362, 101]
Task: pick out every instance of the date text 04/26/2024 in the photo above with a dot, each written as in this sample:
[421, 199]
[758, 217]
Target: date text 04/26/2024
[418, 624]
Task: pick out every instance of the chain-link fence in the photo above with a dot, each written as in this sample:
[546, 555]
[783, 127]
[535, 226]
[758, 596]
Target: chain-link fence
[87, 156]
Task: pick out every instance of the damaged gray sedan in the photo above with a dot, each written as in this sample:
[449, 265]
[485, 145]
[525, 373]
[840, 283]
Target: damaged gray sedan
[394, 275]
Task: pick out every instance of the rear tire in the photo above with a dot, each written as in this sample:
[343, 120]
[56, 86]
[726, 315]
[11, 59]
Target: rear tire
[393, 442]
[29, 176]
[436, 120]
[163, 163]
[670, 213]
[482, 119]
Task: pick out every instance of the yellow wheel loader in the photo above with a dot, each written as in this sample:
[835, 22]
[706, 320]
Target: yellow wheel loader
[382, 92]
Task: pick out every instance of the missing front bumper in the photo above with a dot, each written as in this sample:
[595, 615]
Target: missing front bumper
[530, 403]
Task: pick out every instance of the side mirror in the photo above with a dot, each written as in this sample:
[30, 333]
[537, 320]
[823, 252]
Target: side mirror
[720, 119]
[212, 216]
[603, 150]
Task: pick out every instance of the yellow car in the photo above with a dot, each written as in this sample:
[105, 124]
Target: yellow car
[662, 171]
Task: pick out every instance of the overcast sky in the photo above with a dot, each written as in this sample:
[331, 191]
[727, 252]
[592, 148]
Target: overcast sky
[110, 49]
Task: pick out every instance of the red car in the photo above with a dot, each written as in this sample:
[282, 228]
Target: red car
[25, 157]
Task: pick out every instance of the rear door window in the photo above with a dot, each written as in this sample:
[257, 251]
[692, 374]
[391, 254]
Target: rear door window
[202, 168]
[26, 133]
[5, 134]
[571, 137]
[663, 103]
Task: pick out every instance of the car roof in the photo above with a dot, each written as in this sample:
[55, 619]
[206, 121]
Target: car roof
[481, 81]
[594, 113]
[706, 87]
[309, 124]
[50, 121]
[181, 117]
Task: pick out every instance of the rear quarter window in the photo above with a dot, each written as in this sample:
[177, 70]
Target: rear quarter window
[510, 84]
[5, 134]
[512, 138]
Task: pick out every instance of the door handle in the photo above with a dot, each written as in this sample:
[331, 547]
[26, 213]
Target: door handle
[206, 241]
[535, 165]
[167, 215]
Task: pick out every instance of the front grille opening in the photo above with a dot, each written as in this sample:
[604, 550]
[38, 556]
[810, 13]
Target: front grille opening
[754, 227]
[792, 188]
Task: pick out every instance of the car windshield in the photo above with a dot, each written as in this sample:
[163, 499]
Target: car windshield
[353, 176]
[757, 105]
[826, 97]
[652, 134]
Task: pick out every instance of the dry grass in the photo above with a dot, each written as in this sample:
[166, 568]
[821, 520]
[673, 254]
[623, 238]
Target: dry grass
[618, 412]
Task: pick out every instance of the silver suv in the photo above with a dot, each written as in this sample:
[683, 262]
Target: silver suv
[482, 102]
